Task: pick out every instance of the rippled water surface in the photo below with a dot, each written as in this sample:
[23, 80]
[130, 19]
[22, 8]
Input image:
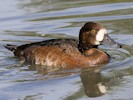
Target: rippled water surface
[24, 21]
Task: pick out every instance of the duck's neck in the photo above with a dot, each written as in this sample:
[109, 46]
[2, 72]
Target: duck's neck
[83, 47]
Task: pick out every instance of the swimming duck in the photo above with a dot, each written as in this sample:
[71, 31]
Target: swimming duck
[68, 53]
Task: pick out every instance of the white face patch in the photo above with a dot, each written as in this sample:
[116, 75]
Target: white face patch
[102, 88]
[97, 43]
[100, 34]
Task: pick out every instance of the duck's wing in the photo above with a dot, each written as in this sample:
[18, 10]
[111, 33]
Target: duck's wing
[18, 50]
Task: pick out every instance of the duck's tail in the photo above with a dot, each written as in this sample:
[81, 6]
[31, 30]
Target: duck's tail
[11, 47]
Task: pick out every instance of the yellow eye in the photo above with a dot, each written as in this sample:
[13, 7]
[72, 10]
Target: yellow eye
[93, 31]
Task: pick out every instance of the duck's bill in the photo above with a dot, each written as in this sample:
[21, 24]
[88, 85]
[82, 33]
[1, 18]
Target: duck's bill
[107, 41]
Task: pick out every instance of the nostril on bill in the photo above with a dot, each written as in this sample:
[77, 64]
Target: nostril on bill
[120, 46]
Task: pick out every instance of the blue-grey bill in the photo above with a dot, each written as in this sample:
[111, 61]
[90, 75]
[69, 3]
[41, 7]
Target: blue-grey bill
[109, 42]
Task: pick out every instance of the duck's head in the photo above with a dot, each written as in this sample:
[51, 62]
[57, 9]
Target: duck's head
[92, 35]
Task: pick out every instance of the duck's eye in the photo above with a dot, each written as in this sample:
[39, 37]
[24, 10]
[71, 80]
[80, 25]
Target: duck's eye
[93, 31]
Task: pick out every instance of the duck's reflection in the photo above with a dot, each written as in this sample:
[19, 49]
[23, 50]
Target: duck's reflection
[92, 80]
[93, 83]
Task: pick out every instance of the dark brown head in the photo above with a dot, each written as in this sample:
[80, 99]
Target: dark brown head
[93, 34]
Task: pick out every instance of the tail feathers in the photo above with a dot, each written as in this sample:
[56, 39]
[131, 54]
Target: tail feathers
[11, 47]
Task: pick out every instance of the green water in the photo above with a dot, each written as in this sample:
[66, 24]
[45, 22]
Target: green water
[24, 21]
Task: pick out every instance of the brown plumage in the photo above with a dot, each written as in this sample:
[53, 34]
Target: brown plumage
[65, 53]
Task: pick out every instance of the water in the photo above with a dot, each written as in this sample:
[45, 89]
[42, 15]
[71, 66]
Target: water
[24, 21]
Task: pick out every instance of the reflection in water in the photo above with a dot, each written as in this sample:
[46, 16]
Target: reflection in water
[93, 84]
[52, 72]
[92, 80]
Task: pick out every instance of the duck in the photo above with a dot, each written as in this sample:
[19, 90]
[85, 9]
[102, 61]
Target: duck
[68, 53]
